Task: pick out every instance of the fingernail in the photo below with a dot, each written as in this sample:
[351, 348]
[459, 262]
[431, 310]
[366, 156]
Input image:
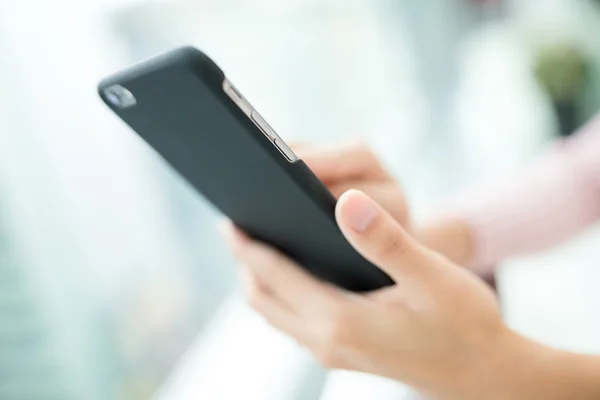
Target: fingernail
[360, 211]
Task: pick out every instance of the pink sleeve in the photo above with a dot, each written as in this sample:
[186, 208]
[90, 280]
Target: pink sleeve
[548, 203]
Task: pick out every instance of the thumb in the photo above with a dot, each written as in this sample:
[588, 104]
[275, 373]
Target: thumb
[378, 237]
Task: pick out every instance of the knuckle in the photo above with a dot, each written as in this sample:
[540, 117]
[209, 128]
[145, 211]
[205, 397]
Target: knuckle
[390, 245]
[368, 155]
[365, 150]
[362, 147]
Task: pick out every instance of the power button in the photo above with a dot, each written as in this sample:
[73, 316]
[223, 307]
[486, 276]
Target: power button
[285, 150]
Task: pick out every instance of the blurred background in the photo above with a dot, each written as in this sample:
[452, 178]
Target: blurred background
[113, 282]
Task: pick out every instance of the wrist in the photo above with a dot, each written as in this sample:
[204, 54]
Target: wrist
[502, 374]
[493, 370]
[490, 374]
[520, 368]
[478, 373]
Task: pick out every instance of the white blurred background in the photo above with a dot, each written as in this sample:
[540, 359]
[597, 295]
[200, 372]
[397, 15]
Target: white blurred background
[113, 282]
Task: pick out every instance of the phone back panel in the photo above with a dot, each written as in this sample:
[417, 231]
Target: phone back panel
[183, 112]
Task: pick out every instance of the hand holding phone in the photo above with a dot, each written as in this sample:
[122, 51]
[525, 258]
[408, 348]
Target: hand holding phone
[184, 107]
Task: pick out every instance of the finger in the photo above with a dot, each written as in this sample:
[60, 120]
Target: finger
[386, 193]
[287, 281]
[252, 285]
[274, 312]
[299, 147]
[338, 189]
[349, 161]
[230, 233]
[378, 237]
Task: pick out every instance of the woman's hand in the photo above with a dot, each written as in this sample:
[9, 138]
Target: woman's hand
[438, 329]
[355, 166]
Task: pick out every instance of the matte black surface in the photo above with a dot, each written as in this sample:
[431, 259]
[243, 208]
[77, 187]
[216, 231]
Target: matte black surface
[184, 114]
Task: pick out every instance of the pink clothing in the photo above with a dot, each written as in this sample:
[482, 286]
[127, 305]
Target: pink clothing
[552, 200]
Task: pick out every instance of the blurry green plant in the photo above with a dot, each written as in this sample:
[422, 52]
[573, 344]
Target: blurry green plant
[562, 70]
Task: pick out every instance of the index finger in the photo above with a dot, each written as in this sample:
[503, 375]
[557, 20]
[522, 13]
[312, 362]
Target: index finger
[341, 162]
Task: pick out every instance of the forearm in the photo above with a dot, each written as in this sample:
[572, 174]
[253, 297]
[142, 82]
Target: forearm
[512, 367]
[548, 203]
[524, 369]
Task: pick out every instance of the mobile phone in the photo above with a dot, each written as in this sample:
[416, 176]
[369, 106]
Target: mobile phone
[183, 106]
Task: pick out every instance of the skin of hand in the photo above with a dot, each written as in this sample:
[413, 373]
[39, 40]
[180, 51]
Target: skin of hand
[354, 166]
[438, 329]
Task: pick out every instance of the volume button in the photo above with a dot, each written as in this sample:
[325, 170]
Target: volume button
[285, 150]
[262, 124]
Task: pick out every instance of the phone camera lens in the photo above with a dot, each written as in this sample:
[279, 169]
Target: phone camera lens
[113, 99]
[119, 96]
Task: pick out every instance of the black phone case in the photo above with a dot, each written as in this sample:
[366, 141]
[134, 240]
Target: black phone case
[183, 112]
